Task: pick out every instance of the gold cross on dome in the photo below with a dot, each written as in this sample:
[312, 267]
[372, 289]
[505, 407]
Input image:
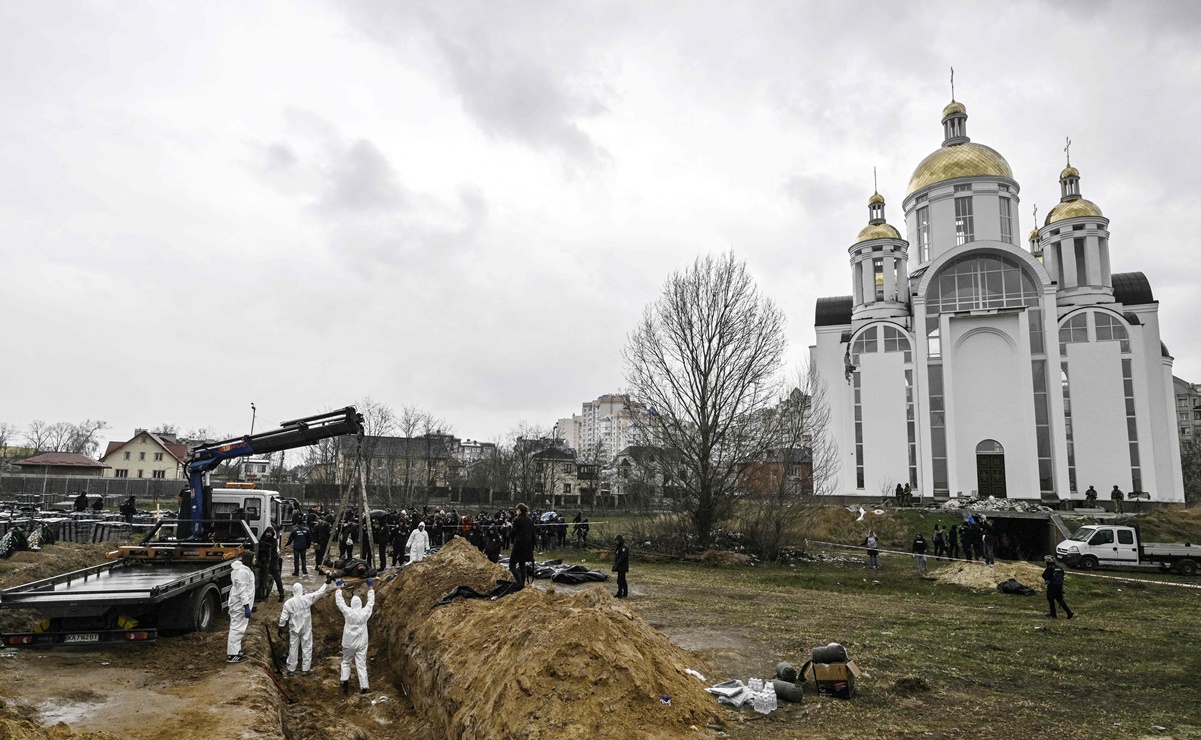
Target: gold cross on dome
[952, 84]
[1067, 150]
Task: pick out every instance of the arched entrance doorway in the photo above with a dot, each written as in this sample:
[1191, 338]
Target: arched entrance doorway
[990, 469]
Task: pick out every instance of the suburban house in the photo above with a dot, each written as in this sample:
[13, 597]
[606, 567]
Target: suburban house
[61, 463]
[146, 455]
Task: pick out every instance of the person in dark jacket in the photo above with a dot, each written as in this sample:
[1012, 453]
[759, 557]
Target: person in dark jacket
[953, 542]
[1053, 575]
[298, 540]
[919, 551]
[621, 566]
[98, 505]
[130, 507]
[321, 534]
[400, 535]
[81, 501]
[492, 545]
[523, 544]
[269, 564]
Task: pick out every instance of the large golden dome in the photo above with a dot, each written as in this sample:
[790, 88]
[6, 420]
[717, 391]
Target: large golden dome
[877, 231]
[1073, 209]
[960, 160]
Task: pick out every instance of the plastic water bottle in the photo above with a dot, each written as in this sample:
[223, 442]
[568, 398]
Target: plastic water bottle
[755, 685]
[770, 690]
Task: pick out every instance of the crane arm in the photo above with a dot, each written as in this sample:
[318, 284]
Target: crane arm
[292, 434]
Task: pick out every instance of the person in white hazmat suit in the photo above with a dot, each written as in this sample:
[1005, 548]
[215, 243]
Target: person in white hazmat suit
[354, 636]
[419, 543]
[241, 601]
[297, 616]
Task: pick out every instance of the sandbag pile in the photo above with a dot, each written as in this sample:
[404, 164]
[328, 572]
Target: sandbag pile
[533, 664]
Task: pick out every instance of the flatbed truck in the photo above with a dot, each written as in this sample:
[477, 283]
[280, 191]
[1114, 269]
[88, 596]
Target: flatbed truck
[178, 577]
[1116, 546]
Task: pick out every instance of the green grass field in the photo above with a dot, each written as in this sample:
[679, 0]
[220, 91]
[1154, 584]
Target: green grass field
[995, 667]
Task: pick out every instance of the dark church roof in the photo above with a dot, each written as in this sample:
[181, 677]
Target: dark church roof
[1132, 289]
[835, 311]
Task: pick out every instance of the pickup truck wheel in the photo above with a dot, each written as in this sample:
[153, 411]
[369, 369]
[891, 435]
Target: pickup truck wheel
[205, 607]
[1088, 562]
[1187, 568]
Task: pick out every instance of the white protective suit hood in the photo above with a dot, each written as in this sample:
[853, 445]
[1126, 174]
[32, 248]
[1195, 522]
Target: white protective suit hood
[241, 591]
[354, 632]
[297, 612]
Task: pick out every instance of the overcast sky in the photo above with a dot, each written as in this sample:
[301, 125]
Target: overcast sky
[466, 205]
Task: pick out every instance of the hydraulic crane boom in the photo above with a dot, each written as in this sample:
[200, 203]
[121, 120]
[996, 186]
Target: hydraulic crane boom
[291, 434]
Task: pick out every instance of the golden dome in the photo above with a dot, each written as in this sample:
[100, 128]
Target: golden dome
[877, 231]
[953, 107]
[961, 160]
[876, 198]
[1069, 171]
[1033, 235]
[1073, 209]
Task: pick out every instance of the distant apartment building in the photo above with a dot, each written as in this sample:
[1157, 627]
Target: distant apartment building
[1188, 409]
[603, 427]
[146, 455]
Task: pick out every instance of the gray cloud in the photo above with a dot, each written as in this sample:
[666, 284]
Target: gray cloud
[514, 67]
[360, 179]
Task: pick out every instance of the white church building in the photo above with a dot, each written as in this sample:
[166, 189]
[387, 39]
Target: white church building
[967, 364]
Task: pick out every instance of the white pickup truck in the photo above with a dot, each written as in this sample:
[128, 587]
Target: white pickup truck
[1113, 546]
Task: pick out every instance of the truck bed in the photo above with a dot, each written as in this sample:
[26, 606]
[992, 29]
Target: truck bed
[113, 583]
[1171, 549]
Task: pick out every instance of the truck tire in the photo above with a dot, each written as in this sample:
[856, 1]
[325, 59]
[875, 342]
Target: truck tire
[206, 605]
[1186, 567]
[1088, 562]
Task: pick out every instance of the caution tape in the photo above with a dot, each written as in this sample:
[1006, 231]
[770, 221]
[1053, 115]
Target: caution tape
[964, 560]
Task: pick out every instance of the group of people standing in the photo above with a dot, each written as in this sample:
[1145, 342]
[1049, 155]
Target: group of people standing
[296, 620]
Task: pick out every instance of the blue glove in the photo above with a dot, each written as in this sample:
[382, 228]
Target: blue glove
[370, 581]
[338, 583]
[246, 611]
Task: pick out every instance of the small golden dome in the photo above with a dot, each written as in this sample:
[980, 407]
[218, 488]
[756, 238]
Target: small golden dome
[877, 231]
[961, 160]
[876, 198]
[1075, 208]
[1069, 171]
[953, 107]
[1033, 235]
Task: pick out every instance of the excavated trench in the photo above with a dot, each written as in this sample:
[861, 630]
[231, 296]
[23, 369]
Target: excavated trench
[535, 664]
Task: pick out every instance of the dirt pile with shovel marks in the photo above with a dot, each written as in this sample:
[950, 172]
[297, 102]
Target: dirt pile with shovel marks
[534, 664]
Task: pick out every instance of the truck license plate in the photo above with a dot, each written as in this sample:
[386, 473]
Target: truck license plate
[83, 637]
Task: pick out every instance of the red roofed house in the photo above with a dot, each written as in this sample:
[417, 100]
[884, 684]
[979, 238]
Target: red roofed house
[147, 455]
[61, 463]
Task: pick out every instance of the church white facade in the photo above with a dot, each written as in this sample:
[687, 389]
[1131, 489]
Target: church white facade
[965, 363]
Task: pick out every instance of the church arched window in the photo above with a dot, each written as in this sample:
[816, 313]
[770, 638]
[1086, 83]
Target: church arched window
[1073, 331]
[980, 281]
[1111, 329]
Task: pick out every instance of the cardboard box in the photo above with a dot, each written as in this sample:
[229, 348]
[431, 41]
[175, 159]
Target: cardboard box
[835, 680]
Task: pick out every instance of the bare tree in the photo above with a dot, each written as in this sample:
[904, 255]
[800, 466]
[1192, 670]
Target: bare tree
[166, 428]
[1190, 467]
[84, 438]
[8, 433]
[38, 435]
[704, 360]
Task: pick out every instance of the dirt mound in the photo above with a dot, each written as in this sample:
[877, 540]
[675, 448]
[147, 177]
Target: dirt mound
[980, 577]
[13, 726]
[1171, 525]
[911, 685]
[724, 558]
[536, 664]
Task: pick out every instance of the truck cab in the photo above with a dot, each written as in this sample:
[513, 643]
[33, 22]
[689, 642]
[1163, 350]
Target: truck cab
[261, 508]
[1095, 545]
